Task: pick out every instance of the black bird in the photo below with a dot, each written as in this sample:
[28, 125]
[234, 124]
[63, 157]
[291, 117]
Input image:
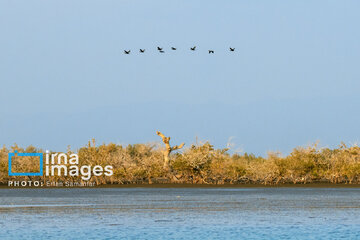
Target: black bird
[211, 51]
[159, 48]
[173, 48]
[161, 51]
[127, 52]
[232, 49]
[193, 48]
[142, 50]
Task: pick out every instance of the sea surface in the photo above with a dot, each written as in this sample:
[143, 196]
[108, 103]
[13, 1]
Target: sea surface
[180, 213]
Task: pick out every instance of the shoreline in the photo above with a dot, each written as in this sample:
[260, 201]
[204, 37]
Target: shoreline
[174, 185]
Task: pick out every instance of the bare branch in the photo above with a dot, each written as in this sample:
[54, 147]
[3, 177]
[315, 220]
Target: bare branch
[168, 148]
[166, 140]
[178, 147]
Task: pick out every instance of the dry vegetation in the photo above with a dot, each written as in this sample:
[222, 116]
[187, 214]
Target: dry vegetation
[202, 164]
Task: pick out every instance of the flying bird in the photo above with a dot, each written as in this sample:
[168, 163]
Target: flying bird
[142, 50]
[159, 48]
[211, 51]
[161, 51]
[193, 48]
[127, 52]
[232, 49]
[173, 48]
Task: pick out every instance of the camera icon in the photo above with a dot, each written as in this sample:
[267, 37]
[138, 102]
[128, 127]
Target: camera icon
[40, 155]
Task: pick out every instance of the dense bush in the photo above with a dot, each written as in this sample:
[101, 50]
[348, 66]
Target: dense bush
[143, 163]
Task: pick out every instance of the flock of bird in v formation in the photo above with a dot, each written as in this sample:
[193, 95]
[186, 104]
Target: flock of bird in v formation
[174, 49]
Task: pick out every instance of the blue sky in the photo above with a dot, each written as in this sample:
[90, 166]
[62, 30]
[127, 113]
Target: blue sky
[293, 80]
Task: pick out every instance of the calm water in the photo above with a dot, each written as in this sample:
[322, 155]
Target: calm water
[143, 213]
